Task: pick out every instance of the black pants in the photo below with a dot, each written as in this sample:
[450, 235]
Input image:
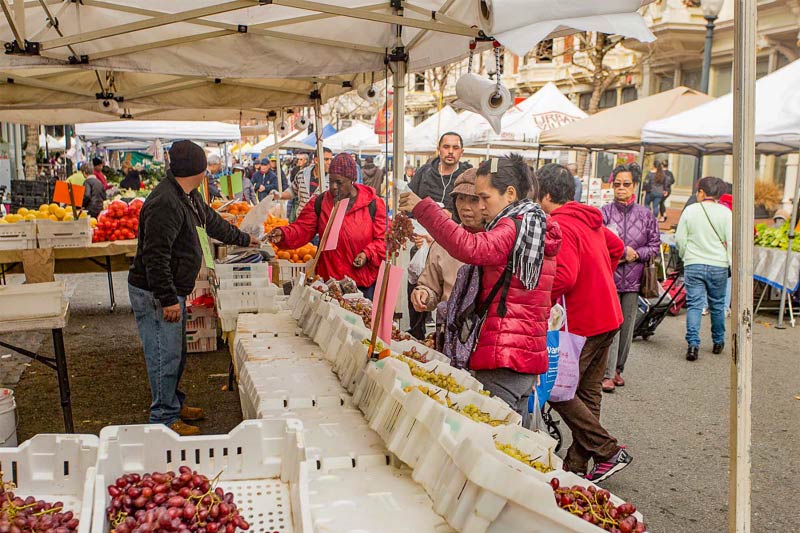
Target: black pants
[416, 319]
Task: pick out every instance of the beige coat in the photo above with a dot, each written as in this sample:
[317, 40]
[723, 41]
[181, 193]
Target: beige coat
[439, 275]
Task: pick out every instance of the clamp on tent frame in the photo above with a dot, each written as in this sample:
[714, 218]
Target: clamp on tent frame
[13, 48]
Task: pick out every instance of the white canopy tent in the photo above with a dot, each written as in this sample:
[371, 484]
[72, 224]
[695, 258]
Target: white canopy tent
[164, 130]
[708, 128]
[353, 138]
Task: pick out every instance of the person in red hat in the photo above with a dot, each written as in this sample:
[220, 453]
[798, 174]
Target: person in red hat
[361, 246]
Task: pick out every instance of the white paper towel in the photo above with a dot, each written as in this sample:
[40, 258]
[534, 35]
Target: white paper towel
[301, 123]
[479, 95]
[520, 24]
[369, 92]
[283, 128]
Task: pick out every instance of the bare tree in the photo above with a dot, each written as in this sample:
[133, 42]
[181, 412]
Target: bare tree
[437, 79]
[31, 149]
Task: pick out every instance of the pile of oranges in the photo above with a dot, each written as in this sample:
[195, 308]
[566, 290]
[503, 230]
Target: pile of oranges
[304, 254]
[239, 208]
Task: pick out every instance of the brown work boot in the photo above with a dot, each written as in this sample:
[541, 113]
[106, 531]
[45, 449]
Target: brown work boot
[190, 414]
[183, 429]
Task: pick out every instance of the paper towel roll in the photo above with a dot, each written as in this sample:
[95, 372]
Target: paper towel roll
[108, 106]
[301, 123]
[480, 96]
[283, 128]
[369, 92]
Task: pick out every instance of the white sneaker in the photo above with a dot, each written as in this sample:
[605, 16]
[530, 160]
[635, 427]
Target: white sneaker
[705, 311]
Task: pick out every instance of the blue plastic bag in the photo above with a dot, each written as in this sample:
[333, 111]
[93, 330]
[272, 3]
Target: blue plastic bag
[548, 379]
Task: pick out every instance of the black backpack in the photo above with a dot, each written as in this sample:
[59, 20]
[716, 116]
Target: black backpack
[373, 207]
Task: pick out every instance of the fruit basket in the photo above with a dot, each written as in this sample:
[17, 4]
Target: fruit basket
[258, 461]
[18, 236]
[68, 234]
[55, 468]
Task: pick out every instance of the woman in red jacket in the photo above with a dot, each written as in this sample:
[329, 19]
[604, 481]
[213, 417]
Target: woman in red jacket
[511, 348]
[361, 246]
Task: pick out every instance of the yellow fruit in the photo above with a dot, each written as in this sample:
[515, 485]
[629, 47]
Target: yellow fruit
[13, 219]
[53, 218]
[60, 212]
[30, 216]
[42, 215]
[45, 208]
[22, 211]
[3, 220]
[52, 208]
[93, 222]
[67, 217]
[83, 214]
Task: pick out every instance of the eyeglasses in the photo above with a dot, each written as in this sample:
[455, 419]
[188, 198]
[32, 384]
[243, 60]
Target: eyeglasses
[618, 185]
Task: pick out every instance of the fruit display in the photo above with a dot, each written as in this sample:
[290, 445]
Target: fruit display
[595, 506]
[304, 254]
[415, 355]
[522, 457]
[400, 233]
[447, 382]
[775, 237]
[474, 412]
[52, 212]
[22, 515]
[119, 222]
[398, 335]
[273, 222]
[182, 502]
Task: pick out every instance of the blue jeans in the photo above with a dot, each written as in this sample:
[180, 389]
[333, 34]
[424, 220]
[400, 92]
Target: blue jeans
[656, 200]
[164, 353]
[705, 282]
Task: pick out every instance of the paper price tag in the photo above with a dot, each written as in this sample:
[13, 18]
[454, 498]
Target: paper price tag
[205, 245]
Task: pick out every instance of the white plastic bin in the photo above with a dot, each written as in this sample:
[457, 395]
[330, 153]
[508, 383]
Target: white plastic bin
[241, 270]
[55, 468]
[64, 234]
[247, 299]
[18, 236]
[34, 300]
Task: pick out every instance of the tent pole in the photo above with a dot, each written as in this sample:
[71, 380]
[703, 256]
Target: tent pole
[792, 224]
[399, 60]
[278, 171]
[741, 375]
[323, 182]
[641, 178]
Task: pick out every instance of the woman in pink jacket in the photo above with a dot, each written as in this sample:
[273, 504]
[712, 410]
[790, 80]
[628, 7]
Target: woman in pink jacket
[511, 347]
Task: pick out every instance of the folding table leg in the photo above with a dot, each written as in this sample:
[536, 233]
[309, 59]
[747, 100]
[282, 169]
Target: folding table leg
[63, 379]
[110, 283]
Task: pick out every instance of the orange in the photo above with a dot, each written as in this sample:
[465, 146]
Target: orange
[295, 258]
[307, 258]
[284, 255]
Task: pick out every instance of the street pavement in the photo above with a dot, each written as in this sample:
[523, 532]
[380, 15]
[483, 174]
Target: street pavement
[672, 414]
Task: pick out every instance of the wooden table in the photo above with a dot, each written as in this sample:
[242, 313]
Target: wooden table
[108, 257]
[58, 363]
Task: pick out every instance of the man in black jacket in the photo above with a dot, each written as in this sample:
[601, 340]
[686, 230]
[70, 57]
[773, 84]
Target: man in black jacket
[436, 180]
[173, 220]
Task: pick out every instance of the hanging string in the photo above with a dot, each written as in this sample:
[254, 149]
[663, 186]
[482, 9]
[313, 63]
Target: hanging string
[472, 45]
[498, 69]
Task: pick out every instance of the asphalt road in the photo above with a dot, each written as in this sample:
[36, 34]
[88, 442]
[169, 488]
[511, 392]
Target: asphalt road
[672, 414]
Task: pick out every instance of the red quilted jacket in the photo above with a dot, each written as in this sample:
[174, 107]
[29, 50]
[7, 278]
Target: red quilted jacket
[519, 340]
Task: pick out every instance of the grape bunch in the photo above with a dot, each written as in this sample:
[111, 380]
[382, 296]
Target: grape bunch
[595, 506]
[522, 457]
[183, 502]
[415, 355]
[431, 393]
[474, 412]
[398, 335]
[442, 381]
[401, 231]
[22, 515]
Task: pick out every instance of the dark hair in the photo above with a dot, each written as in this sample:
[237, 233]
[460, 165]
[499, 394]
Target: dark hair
[325, 149]
[633, 168]
[659, 178]
[713, 187]
[512, 171]
[557, 181]
[449, 133]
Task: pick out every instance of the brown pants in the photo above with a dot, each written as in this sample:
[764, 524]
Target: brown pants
[582, 413]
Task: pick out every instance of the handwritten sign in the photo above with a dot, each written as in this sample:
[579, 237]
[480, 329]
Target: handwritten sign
[61, 194]
[231, 185]
[389, 302]
[205, 245]
[336, 226]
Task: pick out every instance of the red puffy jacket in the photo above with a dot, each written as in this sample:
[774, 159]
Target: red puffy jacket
[519, 340]
[360, 233]
[589, 255]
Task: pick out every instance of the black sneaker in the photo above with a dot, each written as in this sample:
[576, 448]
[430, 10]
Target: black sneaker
[717, 349]
[604, 470]
[692, 352]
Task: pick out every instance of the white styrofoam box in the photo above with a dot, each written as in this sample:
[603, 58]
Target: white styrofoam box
[342, 333]
[322, 310]
[337, 437]
[193, 312]
[462, 377]
[33, 300]
[258, 461]
[243, 271]
[306, 298]
[429, 353]
[18, 236]
[290, 271]
[607, 195]
[350, 362]
[595, 183]
[237, 283]
[281, 324]
[538, 445]
[66, 234]
[228, 321]
[379, 499]
[278, 385]
[269, 348]
[55, 468]
[247, 299]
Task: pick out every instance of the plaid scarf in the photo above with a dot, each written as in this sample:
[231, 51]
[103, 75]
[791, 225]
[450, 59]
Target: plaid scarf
[528, 252]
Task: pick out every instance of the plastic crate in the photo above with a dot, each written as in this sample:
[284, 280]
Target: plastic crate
[201, 323]
[241, 271]
[55, 468]
[350, 362]
[18, 236]
[202, 345]
[241, 283]
[430, 354]
[195, 312]
[270, 348]
[281, 324]
[289, 271]
[307, 298]
[201, 288]
[280, 385]
[247, 300]
[34, 300]
[67, 234]
[258, 461]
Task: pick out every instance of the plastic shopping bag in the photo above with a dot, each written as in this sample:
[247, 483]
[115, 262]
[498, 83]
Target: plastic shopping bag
[548, 379]
[417, 263]
[569, 357]
[253, 222]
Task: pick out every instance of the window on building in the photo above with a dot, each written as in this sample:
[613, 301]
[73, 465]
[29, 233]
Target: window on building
[664, 82]
[608, 99]
[544, 51]
[762, 67]
[692, 79]
[583, 101]
[629, 94]
[419, 82]
[723, 80]
[779, 175]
